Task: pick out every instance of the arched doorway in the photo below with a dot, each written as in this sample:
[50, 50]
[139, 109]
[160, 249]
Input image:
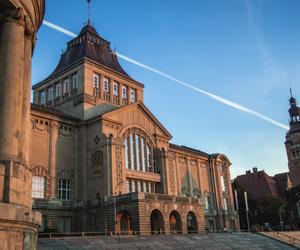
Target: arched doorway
[124, 223]
[175, 222]
[191, 221]
[157, 222]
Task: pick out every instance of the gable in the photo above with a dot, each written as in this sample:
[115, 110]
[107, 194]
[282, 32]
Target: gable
[137, 115]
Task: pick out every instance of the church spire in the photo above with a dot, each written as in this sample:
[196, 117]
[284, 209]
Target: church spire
[294, 111]
[292, 99]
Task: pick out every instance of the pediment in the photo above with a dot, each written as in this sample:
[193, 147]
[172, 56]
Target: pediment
[137, 115]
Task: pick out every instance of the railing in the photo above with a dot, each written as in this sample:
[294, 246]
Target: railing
[130, 233]
[280, 236]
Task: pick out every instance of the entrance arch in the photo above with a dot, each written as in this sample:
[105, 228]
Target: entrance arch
[175, 222]
[124, 223]
[191, 221]
[157, 222]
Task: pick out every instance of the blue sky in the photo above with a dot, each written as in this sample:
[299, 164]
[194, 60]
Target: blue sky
[245, 51]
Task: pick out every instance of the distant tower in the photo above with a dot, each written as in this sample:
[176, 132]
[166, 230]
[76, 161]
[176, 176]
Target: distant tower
[292, 142]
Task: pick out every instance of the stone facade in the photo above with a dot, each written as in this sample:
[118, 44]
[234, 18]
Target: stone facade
[102, 162]
[19, 22]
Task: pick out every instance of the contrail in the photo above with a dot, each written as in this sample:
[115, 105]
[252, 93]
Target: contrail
[213, 96]
[58, 28]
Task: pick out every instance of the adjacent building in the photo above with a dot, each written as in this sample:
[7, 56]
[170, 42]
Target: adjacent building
[102, 162]
[260, 185]
[292, 142]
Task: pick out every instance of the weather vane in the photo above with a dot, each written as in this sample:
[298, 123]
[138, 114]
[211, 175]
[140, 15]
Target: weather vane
[89, 11]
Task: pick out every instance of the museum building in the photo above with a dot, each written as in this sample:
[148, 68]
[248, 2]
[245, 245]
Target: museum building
[102, 162]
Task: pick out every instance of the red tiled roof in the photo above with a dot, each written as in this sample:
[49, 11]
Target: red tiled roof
[258, 184]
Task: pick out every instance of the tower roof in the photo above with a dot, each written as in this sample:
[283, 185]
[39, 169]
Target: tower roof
[88, 44]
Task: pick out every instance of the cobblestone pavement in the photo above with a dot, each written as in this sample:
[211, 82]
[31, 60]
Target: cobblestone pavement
[213, 241]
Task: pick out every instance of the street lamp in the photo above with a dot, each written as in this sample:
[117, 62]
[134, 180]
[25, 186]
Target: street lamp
[280, 216]
[115, 208]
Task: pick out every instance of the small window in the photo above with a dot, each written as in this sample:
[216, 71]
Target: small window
[42, 97]
[66, 87]
[206, 202]
[116, 88]
[133, 95]
[57, 89]
[64, 189]
[75, 83]
[50, 93]
[105, 85]
[124, 92]
[38, 187]
[96, 81]
[223, 184]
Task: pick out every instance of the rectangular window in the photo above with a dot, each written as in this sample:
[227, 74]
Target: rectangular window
[149, 158]
[143, 160]
[50, 93]
[57, 90]
[206, 202]
[64, 189]
[42, 97]
[116, 88]
[126, 154]
[149, 188]
[132, 151]
[66, 87]
[75, 84]
[138, 148]
[38, 187]
[95, 81]
[124, 92]
[133, 95]
[223, 184]
[145, 187]
[105, 85]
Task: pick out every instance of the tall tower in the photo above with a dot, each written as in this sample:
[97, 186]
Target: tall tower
[292, 142]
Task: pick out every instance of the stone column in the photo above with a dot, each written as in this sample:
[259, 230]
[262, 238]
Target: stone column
[11, 83]
[19, 21]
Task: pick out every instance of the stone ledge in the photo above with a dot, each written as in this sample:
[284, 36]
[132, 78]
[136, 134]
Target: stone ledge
[10, 212]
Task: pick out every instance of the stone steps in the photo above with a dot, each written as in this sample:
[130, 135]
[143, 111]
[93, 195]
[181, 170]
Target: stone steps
[196, 241]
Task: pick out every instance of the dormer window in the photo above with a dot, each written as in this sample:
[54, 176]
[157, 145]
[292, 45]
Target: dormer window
[133, 95]
[42, 97]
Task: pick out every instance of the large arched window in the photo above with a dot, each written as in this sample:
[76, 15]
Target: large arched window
[138, 151]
